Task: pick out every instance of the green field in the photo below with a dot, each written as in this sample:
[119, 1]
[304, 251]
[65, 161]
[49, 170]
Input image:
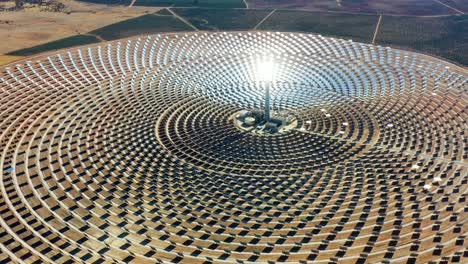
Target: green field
[440, 36]
[222, 19]
[181, 3]
[461, 5]
[164, 12]
[58, 44]
[193, 3]
[108, 2]
[444, 37]
[147, 24]
[353, 26]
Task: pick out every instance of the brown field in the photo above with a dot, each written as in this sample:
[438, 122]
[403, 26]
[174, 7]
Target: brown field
[28, 28]
[4, 59]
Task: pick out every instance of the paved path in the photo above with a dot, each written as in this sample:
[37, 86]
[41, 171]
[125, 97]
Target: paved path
[265, 18]
[450, 7]
[376, 29]
[182, 19]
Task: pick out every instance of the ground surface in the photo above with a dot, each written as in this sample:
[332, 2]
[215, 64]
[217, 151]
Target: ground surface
[58, 44]
[354, 26]
[396, 7]
[461, 5]
[185, 3]
[4, 59]
[141, 25]
[110, 158]
[436, 27]
[442, 36]
[201, 3]
[24, 29]
[224, 19]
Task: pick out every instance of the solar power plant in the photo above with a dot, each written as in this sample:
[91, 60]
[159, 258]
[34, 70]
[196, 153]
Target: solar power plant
[132, 151]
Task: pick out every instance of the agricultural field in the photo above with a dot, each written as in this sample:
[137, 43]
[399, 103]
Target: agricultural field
[193, 3]
[147, 24]
[222, 19]
[77, 40]
[461, 5]
[164, 12]
[108, 2]
[385, 7]
[439, 36]
[443, 36]
[397, 7]
[30, 27]
[357, 27]
[394, 7]
[318, 5]
[175, 3]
